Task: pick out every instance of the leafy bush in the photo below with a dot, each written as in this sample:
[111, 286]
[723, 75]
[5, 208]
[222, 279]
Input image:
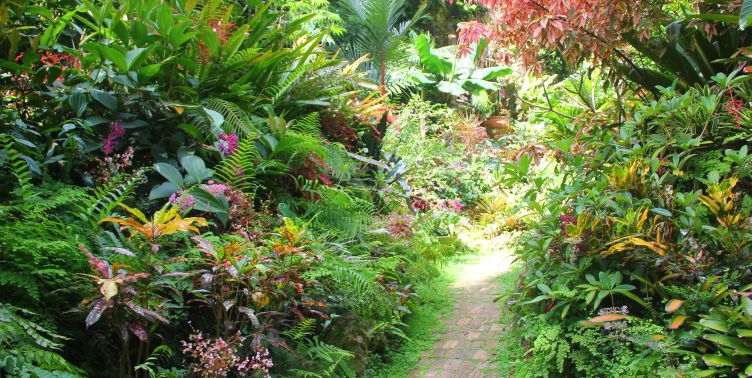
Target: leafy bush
[639, 243]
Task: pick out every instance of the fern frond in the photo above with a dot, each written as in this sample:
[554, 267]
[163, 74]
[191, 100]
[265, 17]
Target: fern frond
[19, 167]
[301, 330]
[309, 124]
[239, 169]
[108, 196]
[26, 346]
[236, 119]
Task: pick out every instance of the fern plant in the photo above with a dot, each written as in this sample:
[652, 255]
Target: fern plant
[38, 240]
[17, 165]
[29, 350]
[107, 197]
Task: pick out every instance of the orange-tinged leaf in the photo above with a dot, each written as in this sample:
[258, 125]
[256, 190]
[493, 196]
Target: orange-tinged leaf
[677, 321]
[673, 305]
[607, 318]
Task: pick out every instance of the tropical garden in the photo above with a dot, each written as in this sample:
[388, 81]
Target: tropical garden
[276, 188]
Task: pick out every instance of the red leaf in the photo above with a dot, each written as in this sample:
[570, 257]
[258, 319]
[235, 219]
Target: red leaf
[204, 245]
[138, 330]
[96, 311]
[250, 314]
[103, 267]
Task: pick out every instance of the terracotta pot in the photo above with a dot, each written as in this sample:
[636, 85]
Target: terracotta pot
[497, 126]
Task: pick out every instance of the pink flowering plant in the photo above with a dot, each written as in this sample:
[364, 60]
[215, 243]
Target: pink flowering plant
[217, 357]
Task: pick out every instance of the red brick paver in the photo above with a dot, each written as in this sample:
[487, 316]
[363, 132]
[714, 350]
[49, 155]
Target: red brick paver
[473, 327]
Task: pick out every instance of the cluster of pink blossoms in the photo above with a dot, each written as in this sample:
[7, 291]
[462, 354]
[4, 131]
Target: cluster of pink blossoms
[110, 143]
[182, 200]
[215, 189]
[228, 143]
[217, 357]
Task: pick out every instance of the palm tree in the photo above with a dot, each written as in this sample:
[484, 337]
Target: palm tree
[377, 28]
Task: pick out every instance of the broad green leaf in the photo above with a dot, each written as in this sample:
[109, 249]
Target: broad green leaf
[715, 360]
[432, 62]
[163, 190]
[170, 173]
[492, 73]
[747, 305]
[745, 16]
[134, 57]
[453, 89]
[420, 77]
[149, 71]
[205, 201]
[714, 324]
[196, 168]
[731, 342]
[78, 103]
[660, 211]
[544, 288]
[109, 53]
[482, 84]
[104, 98]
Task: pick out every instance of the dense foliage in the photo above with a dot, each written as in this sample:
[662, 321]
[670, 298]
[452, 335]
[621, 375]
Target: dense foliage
[256, 188]
[193, 188]
[636, 255]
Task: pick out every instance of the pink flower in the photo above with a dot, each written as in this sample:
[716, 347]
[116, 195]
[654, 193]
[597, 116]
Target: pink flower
[456, 206]
[419, 204]
[228, 143]
[215, 189]
[183, 201]
[113, 138]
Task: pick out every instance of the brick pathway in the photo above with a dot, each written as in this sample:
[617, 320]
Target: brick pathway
[473, 327]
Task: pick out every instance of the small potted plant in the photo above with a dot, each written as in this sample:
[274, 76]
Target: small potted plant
[499, 123]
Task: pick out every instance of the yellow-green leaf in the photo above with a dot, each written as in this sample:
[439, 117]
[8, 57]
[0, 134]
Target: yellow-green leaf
[108, 288]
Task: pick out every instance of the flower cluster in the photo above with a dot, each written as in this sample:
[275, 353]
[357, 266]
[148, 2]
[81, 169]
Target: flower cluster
[218, 358]
[102, 170]
[182, 200]
[735, 107]
[419, 204]
[223, 30]
[228, 143]
[215, 189]
[110, 143]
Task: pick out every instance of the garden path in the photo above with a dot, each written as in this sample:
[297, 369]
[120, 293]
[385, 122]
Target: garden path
[473, 327]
